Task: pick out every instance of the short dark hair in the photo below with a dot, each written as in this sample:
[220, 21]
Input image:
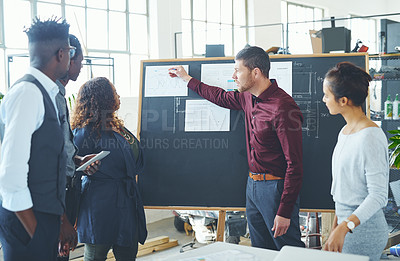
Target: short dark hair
[51, 29]
[73, 41]
[349, 80]
[255, 57]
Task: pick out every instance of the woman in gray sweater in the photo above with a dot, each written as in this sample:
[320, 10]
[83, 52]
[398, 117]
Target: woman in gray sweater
[360, 167]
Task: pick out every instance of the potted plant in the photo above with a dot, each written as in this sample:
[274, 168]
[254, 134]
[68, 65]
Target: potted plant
[394, 158]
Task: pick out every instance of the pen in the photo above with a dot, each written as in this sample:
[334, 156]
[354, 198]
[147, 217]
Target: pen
[172, 74]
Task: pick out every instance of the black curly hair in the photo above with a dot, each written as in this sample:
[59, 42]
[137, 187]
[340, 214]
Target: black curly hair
[96, 106]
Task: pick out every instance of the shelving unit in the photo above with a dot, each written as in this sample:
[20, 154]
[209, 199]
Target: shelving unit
[386, 80]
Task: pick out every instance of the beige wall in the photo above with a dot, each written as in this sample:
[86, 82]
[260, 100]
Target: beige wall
[166, 20]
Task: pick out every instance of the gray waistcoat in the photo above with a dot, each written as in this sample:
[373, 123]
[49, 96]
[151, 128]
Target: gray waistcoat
[46, 176]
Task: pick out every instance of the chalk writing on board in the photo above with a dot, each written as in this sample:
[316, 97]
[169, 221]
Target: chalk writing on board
[305, 90]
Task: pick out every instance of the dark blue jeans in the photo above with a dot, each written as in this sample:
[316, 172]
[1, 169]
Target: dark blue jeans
[99, 252]
[18, 245]
[262, 203]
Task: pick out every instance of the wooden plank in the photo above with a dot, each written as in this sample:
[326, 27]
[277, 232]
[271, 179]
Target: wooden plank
[317, 210]
[145, 251]
[110, 255]
[154, 242]
[276, 56]
[326, 226]
[151, 245]
[394, 239]
[221, 226]
[148, 250]
[196, 208]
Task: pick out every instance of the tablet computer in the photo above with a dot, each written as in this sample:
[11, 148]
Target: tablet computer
[99, 156]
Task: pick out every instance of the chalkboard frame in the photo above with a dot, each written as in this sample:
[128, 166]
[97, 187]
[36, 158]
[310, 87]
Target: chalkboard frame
[345, 57]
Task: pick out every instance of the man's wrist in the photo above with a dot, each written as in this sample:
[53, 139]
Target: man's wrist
[188, 78]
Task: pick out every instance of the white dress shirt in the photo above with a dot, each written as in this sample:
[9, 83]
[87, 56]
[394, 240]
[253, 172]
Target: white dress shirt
[360, 171]
[22, 113]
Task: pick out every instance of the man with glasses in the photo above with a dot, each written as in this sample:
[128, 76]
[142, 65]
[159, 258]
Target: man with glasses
[32, 166]
[68, 235]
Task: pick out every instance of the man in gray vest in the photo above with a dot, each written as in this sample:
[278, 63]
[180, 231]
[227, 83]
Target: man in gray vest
[32, 166]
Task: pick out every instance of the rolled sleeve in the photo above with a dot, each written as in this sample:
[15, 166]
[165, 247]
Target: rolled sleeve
[22, 112]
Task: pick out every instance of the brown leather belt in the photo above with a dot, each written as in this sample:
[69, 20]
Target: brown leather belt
[263, 176]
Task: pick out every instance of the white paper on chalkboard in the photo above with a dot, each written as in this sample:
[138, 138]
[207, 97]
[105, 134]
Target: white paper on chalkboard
[158, 83]
[219, 75]
[282, 72]
[202, 115]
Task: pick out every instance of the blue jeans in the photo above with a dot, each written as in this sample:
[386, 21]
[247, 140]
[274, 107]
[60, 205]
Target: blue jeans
[18, 245]
[262, 203]
[97, 252]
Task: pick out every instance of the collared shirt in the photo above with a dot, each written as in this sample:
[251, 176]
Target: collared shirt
[273, 134]
[69, 145]
[22, 113]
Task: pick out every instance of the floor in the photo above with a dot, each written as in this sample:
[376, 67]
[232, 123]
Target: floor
[165, 227]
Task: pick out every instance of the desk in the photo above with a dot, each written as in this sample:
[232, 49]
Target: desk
[222, 251]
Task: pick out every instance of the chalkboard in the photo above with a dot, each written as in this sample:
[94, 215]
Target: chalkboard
[209, 169]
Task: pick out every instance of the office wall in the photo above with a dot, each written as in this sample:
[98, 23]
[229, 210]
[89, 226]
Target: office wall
[166, 20]
[269, 12]
[265, 12]
[393, 6]
[342, 8]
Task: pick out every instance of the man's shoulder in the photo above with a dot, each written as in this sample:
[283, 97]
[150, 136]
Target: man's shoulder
[24, 88]
[282, 100]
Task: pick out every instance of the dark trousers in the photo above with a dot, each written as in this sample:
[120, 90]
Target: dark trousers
[262, 203]
[18, 245]
[99, 252]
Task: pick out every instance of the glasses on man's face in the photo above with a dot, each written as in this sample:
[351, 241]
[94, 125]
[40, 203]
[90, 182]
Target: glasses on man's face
[72, 51]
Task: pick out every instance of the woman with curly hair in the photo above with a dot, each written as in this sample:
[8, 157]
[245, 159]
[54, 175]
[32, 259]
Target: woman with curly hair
[111, 211]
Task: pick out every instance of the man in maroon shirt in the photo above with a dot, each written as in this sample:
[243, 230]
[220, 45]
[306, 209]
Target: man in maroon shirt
[274, 147]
